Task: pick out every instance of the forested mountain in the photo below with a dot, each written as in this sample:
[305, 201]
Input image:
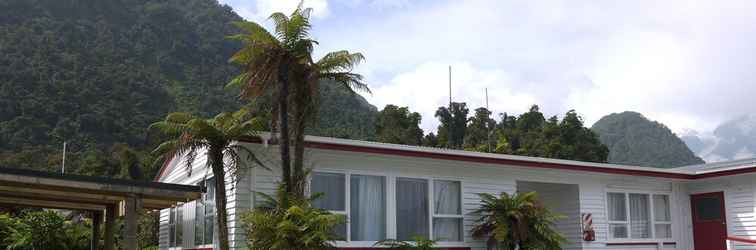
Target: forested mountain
[96, 73]
[634, 140]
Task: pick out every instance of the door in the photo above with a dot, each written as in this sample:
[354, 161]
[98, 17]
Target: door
[709, 223]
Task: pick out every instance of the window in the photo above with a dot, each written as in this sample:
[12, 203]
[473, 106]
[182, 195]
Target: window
[662, 217]
[204, 215]
[425, 208]
[639, 216]
[412, 208]
[412, 201]
[447, 207]
[367, 209]
[332, 188]
[367, 203]
[176, 226]
[172, 227]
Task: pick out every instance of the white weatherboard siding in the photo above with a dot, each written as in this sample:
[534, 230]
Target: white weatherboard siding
[490, 178]
[238, 196]
[739, 204]
[562, 199]
[585, 192]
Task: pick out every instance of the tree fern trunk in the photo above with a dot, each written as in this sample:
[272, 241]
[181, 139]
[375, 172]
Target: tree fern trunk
[300, 119]
[283, 111]
[220, 199]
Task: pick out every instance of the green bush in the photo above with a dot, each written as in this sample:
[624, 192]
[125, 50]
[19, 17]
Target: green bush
[294, 227]
[45, 230]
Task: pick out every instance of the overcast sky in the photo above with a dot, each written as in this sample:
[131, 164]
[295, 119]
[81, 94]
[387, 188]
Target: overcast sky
[688, 65]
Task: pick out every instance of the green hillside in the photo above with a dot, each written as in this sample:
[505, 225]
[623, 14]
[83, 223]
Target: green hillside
[96, 73]
[634, 140]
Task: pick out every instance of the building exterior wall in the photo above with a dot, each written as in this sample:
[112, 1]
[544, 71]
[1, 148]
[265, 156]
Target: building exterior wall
[739, 204]
[478, 178]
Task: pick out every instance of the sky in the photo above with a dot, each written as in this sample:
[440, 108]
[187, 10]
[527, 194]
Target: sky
[687, 64]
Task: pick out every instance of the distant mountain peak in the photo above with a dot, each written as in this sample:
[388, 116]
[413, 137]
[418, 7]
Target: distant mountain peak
[732, 140]
[633, 139]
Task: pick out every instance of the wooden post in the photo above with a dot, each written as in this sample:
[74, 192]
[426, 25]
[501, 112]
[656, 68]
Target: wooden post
[110, 227]
[96, 221]
[133, 207]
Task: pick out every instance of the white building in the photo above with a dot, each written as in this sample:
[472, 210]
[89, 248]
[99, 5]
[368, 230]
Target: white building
[398, 191]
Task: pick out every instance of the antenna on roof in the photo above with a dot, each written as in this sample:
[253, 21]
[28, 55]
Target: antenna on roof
[488, 142]
[63, 165]
[450, 91]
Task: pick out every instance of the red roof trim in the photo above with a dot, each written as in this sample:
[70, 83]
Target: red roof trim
[481, 159]
[726, 173]
[362, 149]
[163, 168]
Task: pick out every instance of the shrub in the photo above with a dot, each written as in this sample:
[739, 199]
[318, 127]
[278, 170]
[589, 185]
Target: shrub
[517, 221]
[293, 226]
[46, 230]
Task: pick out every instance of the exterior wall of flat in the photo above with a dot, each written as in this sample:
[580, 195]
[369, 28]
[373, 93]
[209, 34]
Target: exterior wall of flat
[237, 193]
[564, 200]
[478, 178]
[739, 204]
[490, 178]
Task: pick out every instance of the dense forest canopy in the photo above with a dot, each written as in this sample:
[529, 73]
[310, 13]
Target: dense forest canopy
[95, 74]
[70, 72]
[634, 140]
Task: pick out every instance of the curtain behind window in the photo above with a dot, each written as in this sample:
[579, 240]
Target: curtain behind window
[331, 186]
[412, 216]
[368, 208]
[446, 196]
[640, 225]
[617, 212]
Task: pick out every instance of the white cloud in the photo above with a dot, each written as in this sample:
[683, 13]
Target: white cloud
[685, 64]
[263, 8]
[425, 88]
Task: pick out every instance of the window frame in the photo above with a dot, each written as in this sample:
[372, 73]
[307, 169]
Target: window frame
[391, 206]
[348, 200]
[652, 216]
[203, 216]
[172, 227]
[433, 214]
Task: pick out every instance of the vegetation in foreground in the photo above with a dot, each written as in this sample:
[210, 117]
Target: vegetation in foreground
[517, 221]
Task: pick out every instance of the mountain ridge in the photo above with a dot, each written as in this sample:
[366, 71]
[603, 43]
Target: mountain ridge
[635, 140]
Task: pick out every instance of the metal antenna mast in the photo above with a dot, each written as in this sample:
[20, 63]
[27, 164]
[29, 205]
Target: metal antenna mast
[488, 142]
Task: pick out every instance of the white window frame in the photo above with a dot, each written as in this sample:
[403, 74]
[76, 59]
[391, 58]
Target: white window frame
[391, 205]
[178, 226]
[460, 216]
[172, 228]
[652, 217]
[194, 227]
[348, 202]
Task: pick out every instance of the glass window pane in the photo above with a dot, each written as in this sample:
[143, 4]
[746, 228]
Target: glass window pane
[368, 207]
[209, 229]
[661, 208]
[640, 225]
[615, 203]
[663, 231]
[447, 229]
[199, 223]
[618, 231]
[180, 225]
[447, 197]
[341, 231]
[172, 227]
[411, 208]
[708, 208]
[331, 186]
